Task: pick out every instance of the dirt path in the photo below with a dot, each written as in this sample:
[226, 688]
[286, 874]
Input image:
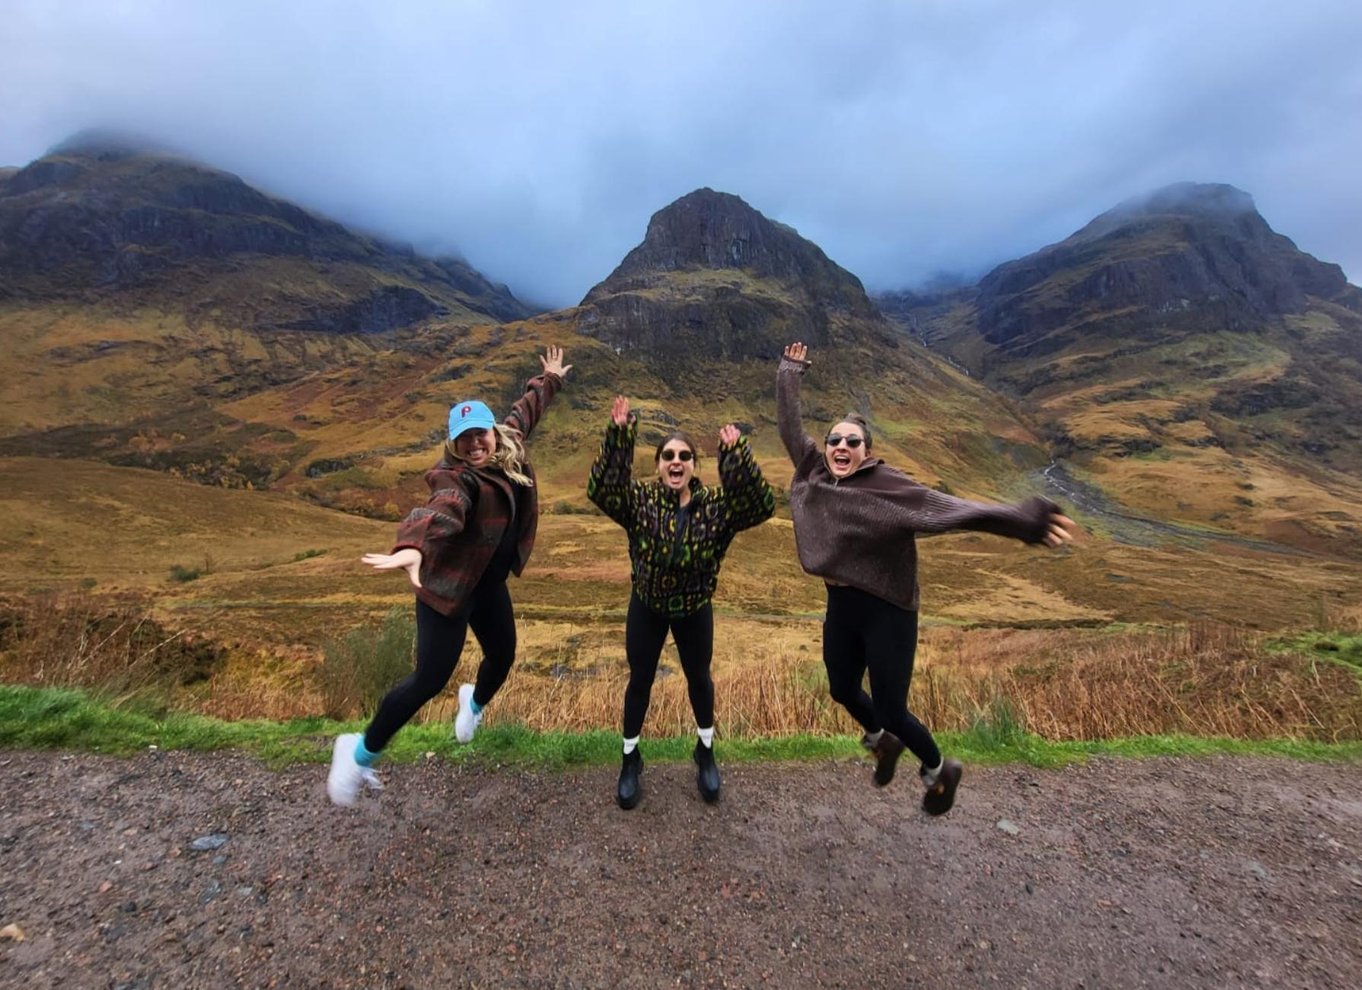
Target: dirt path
[1186, 873]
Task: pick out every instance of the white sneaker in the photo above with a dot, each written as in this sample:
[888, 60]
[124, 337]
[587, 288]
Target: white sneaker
[347, 776]
[466, 723]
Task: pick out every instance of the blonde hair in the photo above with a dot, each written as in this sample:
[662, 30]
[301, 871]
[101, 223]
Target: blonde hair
[509, 456]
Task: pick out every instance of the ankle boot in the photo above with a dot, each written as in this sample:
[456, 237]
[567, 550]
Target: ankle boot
[630, 789]
[706, 772]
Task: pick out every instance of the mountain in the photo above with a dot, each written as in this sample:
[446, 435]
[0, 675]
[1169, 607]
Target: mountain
[715, 278]
[1173, 341]
[140, 290]
[99, 219]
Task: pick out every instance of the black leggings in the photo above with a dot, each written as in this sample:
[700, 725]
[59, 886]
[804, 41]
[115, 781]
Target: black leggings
[863, 632]
[439, 642]
[644, 633]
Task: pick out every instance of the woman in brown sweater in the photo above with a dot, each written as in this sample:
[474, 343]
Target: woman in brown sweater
[855, 521]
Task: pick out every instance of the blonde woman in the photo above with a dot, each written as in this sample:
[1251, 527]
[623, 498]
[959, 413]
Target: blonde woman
[476, 529]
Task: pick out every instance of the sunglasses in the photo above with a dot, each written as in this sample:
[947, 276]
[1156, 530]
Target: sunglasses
[852, 441]
[672, 455]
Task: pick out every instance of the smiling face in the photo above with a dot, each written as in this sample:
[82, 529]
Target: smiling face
[676, 463]
[476, 446]
[838, 451]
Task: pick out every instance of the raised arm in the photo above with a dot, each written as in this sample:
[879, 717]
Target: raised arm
[610, 485]
[746, 494]
[798, 444]
[529, 409]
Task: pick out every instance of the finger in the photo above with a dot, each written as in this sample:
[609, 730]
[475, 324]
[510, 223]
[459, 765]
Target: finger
[414, 577]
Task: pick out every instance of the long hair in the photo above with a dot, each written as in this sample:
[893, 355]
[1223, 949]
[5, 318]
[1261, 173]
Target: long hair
[510, 455]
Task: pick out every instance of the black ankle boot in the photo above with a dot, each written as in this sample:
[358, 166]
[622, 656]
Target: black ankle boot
[707, 772]
[630, 790]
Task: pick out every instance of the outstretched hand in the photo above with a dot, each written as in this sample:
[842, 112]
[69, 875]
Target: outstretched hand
[729, 435]
[619, 412]
[407, 559]
[1062, 530]
[552, 360]
[797, 352]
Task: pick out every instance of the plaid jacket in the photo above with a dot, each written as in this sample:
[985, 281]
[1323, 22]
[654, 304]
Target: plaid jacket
[461, 524]
[676, 573]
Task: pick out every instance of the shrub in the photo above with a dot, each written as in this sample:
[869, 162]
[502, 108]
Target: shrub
[359, 667]
[182, 574]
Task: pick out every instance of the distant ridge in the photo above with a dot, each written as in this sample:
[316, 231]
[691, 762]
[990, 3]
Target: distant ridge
[103, 216]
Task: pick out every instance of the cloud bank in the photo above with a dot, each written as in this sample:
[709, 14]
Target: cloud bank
[536, 139]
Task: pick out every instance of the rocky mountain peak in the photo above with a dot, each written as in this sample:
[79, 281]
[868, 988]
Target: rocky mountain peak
[708, 229]
[1195, 250]
[714, 276]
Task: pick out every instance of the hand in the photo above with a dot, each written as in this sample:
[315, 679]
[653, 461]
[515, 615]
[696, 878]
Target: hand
[619, 412]
[1062, 530]
[552, 360]
[729, 435]
[408, 559]
[797, 352]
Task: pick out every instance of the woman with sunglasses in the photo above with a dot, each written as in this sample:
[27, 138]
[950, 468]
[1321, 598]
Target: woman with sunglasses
[678, 533]
[476, 529]
[855, 519]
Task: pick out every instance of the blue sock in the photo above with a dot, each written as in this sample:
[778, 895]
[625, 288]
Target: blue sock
[362, 755]
[474, 707]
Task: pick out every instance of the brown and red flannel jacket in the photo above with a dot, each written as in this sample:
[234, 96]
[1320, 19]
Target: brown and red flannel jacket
[461, 524]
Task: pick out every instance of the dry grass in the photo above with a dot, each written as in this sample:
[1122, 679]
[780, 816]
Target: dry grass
[1206, 679]
[113, 644]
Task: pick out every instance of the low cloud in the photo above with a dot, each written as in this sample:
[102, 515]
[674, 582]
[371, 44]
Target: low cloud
[536, 140]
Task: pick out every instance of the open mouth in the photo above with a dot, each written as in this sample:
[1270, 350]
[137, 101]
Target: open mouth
[841, 459]
[676, 474]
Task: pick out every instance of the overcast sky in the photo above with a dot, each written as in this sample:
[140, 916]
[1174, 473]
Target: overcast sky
[904, 137]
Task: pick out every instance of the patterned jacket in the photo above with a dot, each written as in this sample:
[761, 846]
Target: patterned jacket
[462, 523]
[676, 573]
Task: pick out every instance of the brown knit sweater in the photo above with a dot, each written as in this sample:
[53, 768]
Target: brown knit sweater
[860, 530]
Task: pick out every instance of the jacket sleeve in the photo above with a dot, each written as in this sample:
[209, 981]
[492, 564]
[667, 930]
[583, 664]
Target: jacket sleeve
[443, 516]
[746, 496]
[610, 485]
[798, 444]
[931, 511]
[529, 409]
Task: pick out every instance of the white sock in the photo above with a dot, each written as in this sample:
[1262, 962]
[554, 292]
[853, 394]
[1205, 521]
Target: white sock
[929, 776]
[873, 738]
[630, 745]
[706, 736]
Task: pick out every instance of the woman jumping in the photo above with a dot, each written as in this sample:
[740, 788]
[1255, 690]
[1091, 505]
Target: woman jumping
[476, 529]
[855, 519]
[678, 533]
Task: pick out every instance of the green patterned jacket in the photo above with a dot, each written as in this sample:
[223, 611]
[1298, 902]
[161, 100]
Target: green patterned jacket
[675, 574]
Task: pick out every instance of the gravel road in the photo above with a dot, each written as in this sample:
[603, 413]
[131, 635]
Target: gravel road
[1159, 873]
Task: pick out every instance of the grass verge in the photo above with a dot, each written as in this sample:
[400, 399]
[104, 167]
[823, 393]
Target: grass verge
[59, 718]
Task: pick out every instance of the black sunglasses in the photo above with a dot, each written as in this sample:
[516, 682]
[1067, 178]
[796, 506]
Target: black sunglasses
[670, 455]
[852, 440]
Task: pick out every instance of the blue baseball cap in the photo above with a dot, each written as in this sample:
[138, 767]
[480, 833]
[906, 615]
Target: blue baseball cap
[471, 415]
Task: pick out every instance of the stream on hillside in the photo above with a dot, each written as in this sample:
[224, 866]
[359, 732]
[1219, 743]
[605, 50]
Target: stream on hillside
[1125, 527]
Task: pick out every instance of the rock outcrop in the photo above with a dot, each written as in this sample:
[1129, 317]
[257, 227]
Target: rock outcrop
[713, 277]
